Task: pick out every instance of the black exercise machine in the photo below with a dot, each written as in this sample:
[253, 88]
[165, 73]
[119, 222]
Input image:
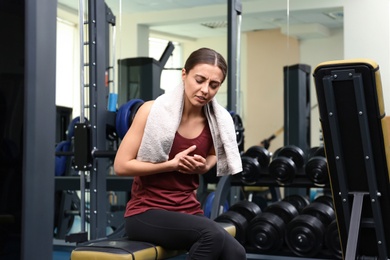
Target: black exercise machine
[356, 139]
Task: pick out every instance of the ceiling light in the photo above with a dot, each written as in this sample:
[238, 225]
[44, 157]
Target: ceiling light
[215, 25]
[337, 15]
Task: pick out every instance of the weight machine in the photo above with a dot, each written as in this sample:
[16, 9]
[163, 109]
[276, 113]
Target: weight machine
[90, 150]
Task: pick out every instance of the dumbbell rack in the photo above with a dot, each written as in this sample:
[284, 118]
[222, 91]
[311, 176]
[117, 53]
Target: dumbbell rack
[223, 190]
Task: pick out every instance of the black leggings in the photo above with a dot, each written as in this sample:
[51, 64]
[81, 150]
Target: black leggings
[202, 237]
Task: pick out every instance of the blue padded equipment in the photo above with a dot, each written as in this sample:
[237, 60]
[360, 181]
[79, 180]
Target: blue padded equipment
[208, 204]
[60, 161]
[125, 116]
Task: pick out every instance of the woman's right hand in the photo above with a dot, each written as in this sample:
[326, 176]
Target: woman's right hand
[180, 167]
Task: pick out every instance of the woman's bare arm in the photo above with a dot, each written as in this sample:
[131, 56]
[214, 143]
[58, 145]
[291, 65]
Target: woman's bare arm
[125, 163]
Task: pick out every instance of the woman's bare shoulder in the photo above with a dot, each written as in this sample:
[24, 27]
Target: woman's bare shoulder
[149, 103]
[146, 106]
[144, 110]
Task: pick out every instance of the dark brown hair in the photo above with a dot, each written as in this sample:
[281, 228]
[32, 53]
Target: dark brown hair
[206, 56]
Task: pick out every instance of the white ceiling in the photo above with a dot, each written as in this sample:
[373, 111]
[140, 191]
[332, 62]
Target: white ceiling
[184, 18]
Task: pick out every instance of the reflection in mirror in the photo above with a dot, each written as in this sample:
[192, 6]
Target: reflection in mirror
[310, 27]
[273, 36]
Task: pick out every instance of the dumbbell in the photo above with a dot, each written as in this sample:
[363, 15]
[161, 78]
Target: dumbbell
[325, 199]
[266, 232]
[239, 127]
[305, 234]
[299, 201]
[332, 240]
[240, 214]
[286, 164]
[254, 161]
[316, 167]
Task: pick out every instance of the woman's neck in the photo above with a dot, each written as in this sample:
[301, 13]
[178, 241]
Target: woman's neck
[191, 111]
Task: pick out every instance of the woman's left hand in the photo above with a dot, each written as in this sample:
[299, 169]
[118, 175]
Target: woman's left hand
[195, 164]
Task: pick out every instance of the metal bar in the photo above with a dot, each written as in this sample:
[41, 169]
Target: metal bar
[234, 10]
[92, 16]
[82, 201]
[354, 227]
[81, 31]
[32, 187]
[369, 165]
[82, 112]
[238, 68]
[95, 154]
[113, 89]
[98, 60]
[221, 194]
[114, 183]
[335, 133]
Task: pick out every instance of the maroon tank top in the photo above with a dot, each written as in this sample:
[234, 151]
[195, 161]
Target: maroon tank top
[171, 191]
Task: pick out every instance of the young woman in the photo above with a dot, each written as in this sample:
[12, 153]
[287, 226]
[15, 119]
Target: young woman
[171, 141]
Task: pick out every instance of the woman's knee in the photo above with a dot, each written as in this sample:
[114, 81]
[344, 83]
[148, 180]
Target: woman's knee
[240, 252]
[214, 236]
[222, 241]
[233, 249]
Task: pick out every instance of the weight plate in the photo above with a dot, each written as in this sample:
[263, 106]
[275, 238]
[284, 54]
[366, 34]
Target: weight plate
[332, 239]
[326, 199]
[321, 211]
[266, 233]
[320, 152]
[251, 170]
[238, 221]
[262, 155]
[283, 209]
[316, 170]
[312, 152]
[283, 170]
[239, 127]
[294, 153]
[246, 208]
[305, 235]
[260, 199]
[276, 153]
[125, 116]
[298, 201]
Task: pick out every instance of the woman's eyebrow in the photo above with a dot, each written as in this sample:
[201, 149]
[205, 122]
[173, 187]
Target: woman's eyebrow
[203, 77]
[199, 75]
[215, 81]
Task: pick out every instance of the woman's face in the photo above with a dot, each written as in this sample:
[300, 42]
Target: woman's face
[202, 83]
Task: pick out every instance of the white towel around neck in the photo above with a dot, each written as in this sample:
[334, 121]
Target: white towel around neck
[164, 119]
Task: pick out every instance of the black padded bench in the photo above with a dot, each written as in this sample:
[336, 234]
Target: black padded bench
[124, 249]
